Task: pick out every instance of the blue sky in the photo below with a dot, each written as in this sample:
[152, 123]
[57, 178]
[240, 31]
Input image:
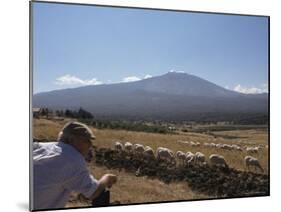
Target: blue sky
[77, 45]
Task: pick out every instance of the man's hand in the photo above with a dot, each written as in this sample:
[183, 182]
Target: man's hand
[108, 180]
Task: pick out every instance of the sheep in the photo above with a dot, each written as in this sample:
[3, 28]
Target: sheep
[252, 149]
[212, 145]
[118, 146]
[147, 147]
[248, 149]
[205, 144]
[226, 147]
[236, 147]
[165, 154]
[194, 144]
[252, 161]
[189, 158]
[128, 147]
[181, 157]
[199, 158]
[219, 146]
[148, 153]
[217, 160]
[184, 142]
[239, 149]
[258, 148]
[138, 149]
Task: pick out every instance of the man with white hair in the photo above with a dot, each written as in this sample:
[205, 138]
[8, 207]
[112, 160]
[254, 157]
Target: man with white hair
[60, 168]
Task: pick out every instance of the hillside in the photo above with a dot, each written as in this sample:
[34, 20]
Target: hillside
[172, 96]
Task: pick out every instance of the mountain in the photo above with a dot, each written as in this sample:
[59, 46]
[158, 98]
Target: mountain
[172, 96]
[174, 83]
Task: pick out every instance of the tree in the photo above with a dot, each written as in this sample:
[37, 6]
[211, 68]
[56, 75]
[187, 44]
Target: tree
[68, 113]
[84, 114]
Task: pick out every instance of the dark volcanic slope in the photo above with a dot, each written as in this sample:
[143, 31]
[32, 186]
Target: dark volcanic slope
[183, 84]
[173, 95]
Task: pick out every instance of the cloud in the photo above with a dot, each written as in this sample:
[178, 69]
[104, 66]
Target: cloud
[251, 90]
[174, 71]
[131, 79]
[135, 78]
[75, 81]
[147, 76]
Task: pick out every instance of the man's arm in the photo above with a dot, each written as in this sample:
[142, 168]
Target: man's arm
[106, 181]
[83, 182]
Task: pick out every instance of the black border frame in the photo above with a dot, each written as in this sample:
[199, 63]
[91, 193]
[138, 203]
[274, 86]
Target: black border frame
[129, 7]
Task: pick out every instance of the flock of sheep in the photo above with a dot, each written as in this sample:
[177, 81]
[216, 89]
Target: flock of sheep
[231, 147]
[186, 159]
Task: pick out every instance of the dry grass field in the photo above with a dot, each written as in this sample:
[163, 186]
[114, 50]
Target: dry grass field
[132, 189]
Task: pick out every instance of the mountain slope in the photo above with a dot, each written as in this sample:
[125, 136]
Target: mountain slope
[183, 84]
[170, 96]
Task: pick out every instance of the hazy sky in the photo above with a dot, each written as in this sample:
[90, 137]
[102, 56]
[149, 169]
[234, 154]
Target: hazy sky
[80, 45]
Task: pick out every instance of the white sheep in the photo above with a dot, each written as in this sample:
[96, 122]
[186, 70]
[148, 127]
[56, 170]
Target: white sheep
[236, 147]
[182, 142]
[189, 158]
[212, 145]
[251, 161]
[165, 154]
[226, 147]
[252, 149]
[219, 146]
[148, 152]
[181, 157]
[118, 146]
[217, 160]
[199, 158]
[138, 148]
[128, 147]
[205, 144]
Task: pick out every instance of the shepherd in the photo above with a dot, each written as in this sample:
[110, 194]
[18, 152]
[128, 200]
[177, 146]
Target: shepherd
[59, 168]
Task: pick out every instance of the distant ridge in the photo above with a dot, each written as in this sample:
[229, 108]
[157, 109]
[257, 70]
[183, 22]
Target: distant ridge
[171, 96]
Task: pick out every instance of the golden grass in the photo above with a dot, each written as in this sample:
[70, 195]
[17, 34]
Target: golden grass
[49, 129]
[132, 189]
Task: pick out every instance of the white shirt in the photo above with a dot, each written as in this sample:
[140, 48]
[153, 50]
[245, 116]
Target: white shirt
[59, 169]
